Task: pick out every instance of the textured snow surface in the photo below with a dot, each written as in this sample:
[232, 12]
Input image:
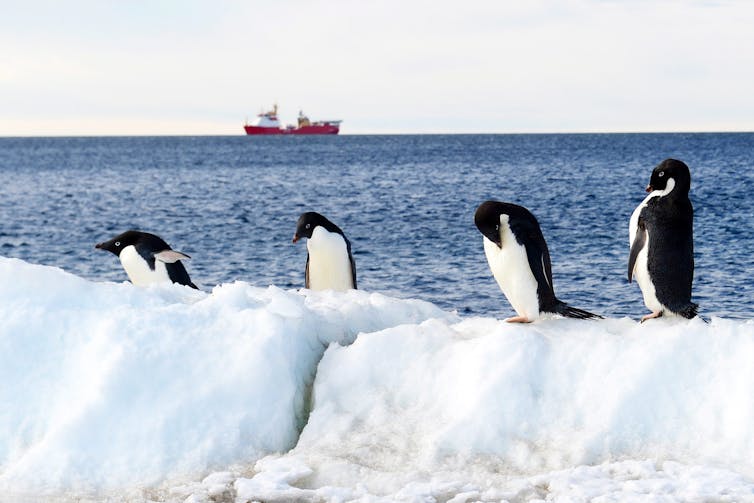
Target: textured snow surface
[170, 394]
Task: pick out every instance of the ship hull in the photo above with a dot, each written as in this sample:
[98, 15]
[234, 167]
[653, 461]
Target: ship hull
[318, 129]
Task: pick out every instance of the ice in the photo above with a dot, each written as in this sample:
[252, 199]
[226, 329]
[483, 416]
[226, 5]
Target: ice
[444, 409]
[253, 393]
[109, 385]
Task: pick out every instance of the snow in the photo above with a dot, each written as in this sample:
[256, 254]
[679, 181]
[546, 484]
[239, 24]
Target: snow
[253, 393]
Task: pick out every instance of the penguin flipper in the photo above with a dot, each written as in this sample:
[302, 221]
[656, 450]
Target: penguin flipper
[170, 256]
[564, 309]
[538, 257]
[306, 273]
[351, 261]
[353, 270]
[639, 242]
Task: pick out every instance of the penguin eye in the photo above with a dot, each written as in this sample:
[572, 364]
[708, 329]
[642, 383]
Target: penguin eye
[661, 174]
[308, 225]
[117, 243]
[497, 227]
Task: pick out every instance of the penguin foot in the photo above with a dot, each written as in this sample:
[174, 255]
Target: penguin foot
[650, 316]
[518, 319]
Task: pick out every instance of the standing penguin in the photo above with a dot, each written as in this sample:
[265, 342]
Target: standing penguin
[662, 242]
[148, 259]
[520, 262]
[329, 263]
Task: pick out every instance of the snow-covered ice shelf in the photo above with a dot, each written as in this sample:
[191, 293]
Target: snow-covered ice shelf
[173, 394]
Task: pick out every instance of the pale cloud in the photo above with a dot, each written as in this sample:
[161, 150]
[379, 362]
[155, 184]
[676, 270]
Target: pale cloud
[392, 66]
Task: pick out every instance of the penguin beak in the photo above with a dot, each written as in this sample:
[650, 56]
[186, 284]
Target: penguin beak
[99, 245]
[649, 188]
[295, 238]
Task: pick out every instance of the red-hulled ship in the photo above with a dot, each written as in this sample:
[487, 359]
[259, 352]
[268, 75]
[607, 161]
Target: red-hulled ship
[268, 123]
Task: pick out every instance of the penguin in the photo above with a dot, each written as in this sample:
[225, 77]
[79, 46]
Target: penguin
[148, 259]
[329, 262]
[520, 262]
[661, 257]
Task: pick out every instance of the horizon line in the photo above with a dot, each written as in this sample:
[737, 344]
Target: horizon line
[208, 135]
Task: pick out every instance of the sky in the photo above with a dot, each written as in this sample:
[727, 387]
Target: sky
[170, 67]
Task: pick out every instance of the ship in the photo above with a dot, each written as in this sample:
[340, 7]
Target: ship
[268, 123]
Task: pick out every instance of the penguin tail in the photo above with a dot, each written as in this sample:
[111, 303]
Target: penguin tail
[689, 311]
[564, 309]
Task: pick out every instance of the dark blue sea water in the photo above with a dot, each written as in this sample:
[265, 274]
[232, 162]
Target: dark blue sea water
[405, 202]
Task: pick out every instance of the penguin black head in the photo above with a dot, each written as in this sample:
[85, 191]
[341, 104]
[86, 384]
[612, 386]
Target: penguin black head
[487, 219]
[308, 221]
[131, 237]
[670, 169]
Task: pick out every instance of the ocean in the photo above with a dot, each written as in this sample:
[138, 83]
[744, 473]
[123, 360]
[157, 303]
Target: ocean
[269, 393]
[405, 202]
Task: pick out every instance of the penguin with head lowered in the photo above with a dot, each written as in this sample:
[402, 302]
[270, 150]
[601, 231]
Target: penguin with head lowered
[148, 259]
[329, 262]
[520, 262]
[662, 243]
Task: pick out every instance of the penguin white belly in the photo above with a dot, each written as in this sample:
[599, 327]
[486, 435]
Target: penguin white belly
[641, 273]
[329, 265]
[641, 269]
[138, 270]
[511, 270]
